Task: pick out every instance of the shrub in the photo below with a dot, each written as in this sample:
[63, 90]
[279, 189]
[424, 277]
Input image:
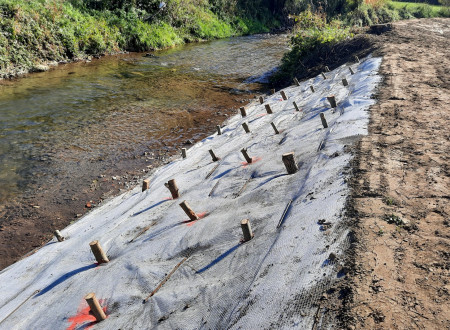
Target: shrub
[311, 33]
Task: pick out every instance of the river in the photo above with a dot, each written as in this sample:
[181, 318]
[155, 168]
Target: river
[84, 131]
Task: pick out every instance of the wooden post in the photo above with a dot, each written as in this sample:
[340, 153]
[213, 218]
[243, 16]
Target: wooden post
[187, 209]
[344, 82]
[245, 126]
[59, 237]
[246, 156]
[296, 82]
[312, 88]
[324, 121]
[172, 185]
[272, 90]
[183, 152]
[295, 106]
[268, 109]
[332, 101]
[357, 59]
[327, 69]
[219, 130]
[243, 112]
[323, 75]
[213, 156]
[261, 100]
[289, 162]
[283, 95]
[96, 309]
[351, 70]
[98, 252]
[145, 184]
[246, 230]
[275, 128]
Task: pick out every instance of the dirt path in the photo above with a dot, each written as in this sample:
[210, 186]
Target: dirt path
[401, 271]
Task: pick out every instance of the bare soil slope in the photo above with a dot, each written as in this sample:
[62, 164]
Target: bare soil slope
[401, 270]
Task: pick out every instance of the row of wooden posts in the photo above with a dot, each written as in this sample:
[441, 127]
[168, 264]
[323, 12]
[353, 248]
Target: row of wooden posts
[288, 161]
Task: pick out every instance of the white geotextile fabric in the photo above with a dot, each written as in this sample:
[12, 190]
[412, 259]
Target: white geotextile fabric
[271, 281]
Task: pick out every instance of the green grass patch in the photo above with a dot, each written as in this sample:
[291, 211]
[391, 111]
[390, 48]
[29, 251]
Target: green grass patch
[418, 10]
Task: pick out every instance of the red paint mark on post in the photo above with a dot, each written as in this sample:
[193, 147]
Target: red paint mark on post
[83, 317]
[254, 160]
[201, 215]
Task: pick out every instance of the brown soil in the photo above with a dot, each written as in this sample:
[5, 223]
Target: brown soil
[400, 275]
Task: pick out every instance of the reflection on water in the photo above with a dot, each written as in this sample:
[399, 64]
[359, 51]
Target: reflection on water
[116, 106]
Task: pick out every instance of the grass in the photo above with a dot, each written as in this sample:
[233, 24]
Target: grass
[33, 33]
[419, 10]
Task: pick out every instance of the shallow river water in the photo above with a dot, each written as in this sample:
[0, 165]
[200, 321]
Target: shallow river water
[80, 133]
[121, 103]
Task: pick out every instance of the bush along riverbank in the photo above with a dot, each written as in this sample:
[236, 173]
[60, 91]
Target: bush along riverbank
[38, 33]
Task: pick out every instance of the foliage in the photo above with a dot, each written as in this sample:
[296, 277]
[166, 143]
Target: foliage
[312, 32]
[36, 32]
[408, 10]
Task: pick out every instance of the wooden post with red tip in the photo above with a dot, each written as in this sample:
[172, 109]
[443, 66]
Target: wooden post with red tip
[96, 309]
[246, 156]
[187, 209]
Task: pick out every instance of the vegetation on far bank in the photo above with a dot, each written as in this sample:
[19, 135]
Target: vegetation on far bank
[316, 32]
[34, 33]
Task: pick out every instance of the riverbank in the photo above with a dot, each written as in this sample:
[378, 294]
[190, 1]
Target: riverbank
[168, 270]
[37, 35]
[94, 129]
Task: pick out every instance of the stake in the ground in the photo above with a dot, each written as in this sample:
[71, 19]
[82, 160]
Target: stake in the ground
[145, 184]
[187, 209]
[245, 126]
[327, 69]
[344, 82]
[213, 155]
[243, 112]
[289, 162]
[323, 75]
[268, 109]
[351, 70]
[332, 101]
[98, 252]
[312, 88]
[246, 156]
[183, 152]
[58, 236]
[283, 95]
[274, 128]
[173, 188]
[296, 82]
[324, 121]
[96, 309]
[219, 130]
[261, 100]
[296, 106]
[357, 59]
[272, 90]
[246, 230]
